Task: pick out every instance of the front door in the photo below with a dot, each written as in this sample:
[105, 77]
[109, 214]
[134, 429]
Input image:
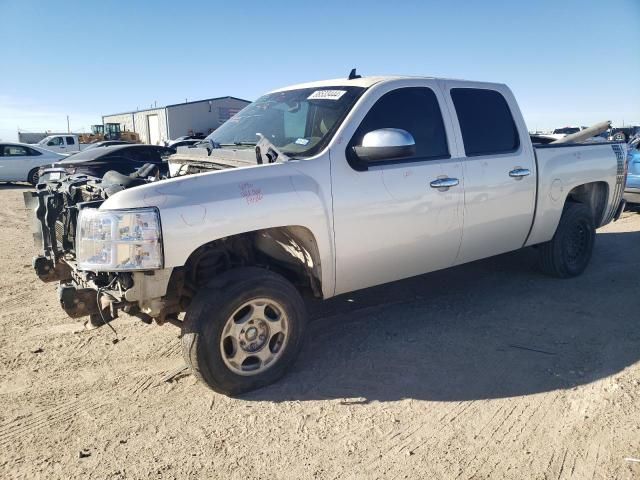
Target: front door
[56, 144]
[389, 221]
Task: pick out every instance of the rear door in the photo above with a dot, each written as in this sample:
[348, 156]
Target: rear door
[389, 222]
[499, 169]
[72, 145]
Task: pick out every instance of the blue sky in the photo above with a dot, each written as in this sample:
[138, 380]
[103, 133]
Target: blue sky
[568, 62]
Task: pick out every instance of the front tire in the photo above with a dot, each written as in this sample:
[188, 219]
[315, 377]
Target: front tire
[244, 330]
[568, 253]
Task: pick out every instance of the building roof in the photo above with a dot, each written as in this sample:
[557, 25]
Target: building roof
[176, 105]
[208, 100]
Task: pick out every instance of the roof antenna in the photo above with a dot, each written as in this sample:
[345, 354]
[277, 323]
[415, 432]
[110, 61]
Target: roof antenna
[353, 75]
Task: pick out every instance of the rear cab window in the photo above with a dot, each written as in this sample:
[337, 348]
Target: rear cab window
[414, 109]
[486, 122]
[70, 141]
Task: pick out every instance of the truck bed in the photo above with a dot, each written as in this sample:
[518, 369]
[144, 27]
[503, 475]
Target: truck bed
[561, 168]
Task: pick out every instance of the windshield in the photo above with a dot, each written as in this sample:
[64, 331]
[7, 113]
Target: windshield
[45, 140]
[566, 130]
[298, 122]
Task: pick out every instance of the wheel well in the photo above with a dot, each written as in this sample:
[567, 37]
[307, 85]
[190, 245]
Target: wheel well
[32, 171]
[291, 251]
[594, 195]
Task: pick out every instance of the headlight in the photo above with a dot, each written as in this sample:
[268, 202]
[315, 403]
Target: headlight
[119, 240]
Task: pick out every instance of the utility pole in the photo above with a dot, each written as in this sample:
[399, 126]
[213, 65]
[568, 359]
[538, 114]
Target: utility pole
[68, 129]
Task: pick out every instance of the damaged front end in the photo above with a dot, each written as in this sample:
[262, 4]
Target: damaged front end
[110, 269]
[54, 208]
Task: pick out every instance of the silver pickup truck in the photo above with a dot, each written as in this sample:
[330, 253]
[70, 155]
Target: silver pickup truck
[316, 190]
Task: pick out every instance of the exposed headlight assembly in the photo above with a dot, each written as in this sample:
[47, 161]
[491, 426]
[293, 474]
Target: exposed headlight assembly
[119, 240]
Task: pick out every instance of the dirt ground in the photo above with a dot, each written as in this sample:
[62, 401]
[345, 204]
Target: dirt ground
[489, 370]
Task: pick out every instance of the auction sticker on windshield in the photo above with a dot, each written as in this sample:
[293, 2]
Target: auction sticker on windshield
[326, 95]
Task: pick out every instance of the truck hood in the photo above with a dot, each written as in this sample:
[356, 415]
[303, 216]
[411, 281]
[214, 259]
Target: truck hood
[245, 184]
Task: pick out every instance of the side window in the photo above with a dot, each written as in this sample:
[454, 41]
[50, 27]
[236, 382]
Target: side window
[31, 152]
[140, 154]
[71, 141]
[149, 155]
[485, 121]
[15, 151]
[55, 142]
[414, 109]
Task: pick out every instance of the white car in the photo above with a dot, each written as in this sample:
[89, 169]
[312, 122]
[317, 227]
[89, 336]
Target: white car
[20, 162]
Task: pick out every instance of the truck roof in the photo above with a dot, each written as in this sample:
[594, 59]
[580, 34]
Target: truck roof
[369, 81]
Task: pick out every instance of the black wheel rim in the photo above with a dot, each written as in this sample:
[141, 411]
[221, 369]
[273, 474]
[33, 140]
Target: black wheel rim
[578, 243]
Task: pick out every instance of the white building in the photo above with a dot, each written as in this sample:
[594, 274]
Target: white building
[157, 125]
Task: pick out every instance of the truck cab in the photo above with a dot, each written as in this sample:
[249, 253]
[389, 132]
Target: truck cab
[67, 143]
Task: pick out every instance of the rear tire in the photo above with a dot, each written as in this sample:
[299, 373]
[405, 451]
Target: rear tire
[568, 253]
[34, 176]
[244, 330]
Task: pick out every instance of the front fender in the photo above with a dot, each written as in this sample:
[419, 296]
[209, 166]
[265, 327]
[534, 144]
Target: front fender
[201, 208]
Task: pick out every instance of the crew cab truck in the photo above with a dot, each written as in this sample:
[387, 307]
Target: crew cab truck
[317, 190]
[60, 143]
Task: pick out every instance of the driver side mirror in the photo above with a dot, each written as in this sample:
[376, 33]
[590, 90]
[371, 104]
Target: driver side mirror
[386, 144]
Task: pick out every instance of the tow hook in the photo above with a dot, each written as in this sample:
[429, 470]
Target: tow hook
[48, 271]
[78, 302]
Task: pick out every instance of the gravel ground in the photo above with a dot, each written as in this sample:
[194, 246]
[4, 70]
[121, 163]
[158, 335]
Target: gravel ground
[489, 370]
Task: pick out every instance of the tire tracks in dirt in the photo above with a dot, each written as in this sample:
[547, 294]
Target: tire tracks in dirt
[167, 350]
[405, 439]
[9, 302]
[65, 412]
[48, 418]
[12, 218]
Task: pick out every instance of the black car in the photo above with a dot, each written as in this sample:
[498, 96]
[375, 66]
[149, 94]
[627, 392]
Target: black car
[106, 143]
[124, 159]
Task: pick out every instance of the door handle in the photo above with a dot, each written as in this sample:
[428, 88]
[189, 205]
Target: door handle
[444, 183]
[519, 172]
